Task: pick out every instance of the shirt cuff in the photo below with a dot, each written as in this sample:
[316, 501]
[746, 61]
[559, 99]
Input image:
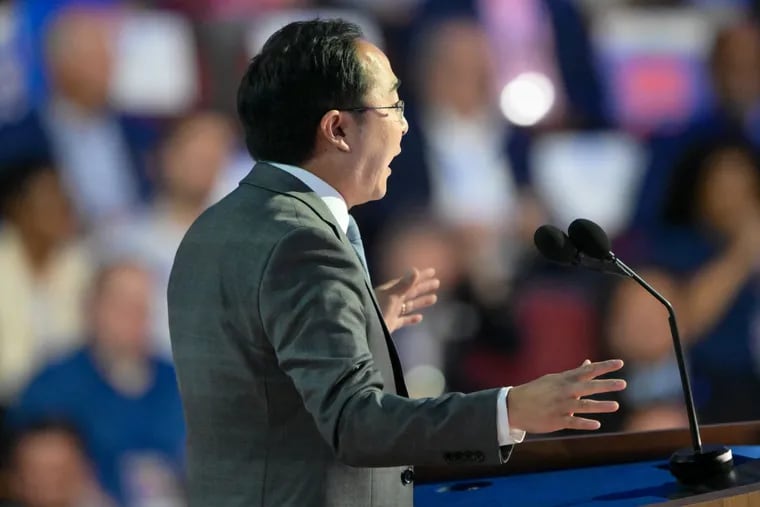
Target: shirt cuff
[506, 435]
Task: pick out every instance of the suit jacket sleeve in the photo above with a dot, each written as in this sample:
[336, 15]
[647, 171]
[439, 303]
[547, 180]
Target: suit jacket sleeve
[310, 305]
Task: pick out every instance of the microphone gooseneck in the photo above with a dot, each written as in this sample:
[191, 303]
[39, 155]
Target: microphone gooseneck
[689, 466]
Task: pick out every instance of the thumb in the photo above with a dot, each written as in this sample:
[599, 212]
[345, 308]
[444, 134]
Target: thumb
[408, 280]
[587, 361]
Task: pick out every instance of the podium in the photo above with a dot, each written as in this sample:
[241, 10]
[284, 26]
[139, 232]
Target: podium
[604, 470]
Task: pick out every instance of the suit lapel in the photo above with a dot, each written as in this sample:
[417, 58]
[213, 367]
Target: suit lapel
[398, 375]
[267, 176]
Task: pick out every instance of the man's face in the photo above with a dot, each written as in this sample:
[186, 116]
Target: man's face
[122, 311]
[377, 138]
[50, 471]
[459, 70]
[43, 209]
[83, 64]
[195, 156]
[730, 173]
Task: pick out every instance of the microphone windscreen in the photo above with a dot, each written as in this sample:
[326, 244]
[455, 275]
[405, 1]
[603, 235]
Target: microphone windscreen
[590, 239]
[554, 244]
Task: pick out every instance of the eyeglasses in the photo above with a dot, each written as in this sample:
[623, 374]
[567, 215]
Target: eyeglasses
[399, 106]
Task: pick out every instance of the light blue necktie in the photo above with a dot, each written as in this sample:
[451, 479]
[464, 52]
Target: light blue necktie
[355, 238]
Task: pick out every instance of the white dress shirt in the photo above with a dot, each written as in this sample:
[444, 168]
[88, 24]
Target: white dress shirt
[338, 207]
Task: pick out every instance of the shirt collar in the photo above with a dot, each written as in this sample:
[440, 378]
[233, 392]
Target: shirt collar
[331, 197]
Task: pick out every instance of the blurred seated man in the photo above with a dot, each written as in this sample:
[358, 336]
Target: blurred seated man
[191, 159]
[49, 468]
[44, 271]
[124, 401]
[458, 179]
[462, 164]
[638, 331]
[100, 152]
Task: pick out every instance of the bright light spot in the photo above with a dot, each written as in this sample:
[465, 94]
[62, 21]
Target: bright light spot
[425, 381]
[527, 98]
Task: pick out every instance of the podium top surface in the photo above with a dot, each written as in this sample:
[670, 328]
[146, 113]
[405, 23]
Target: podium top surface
[605, 470]
[542, 454]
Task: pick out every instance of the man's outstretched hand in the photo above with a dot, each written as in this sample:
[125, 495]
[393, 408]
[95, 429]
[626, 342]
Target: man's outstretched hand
[553, 402]
[402, 298]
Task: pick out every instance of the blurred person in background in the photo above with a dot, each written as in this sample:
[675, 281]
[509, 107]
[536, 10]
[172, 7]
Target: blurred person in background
[221, 28]
[100, 153]
[734, 69]
[711, 241]
[32, 18]
[638, 331]
[49, 467]
[44, 270]
[191, 159]
[122, 399]
[456, 179]
[229, 9]
[459, 158]
[426, 347]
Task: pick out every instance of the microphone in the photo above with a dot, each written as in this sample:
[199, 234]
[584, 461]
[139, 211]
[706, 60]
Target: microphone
[556, 246]
[689, 466]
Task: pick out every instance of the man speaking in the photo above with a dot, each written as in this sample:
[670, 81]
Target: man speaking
[292, 389]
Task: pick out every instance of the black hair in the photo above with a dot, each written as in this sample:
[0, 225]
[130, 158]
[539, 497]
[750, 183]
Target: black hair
[42, 426]
[680, 206]
[16, 175]
[304, 70]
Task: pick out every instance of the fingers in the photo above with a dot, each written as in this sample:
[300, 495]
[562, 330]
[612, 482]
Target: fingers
[599, 386]
[423, 287]
[407, 281]
[589, 370]
[424, 275]
[414, 279]
[586, 406]
[410, 320]
[419, 303]
[427, 274]
[418, 290]
[581, 423]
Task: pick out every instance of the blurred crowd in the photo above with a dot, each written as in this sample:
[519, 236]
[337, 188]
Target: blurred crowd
[118, 128]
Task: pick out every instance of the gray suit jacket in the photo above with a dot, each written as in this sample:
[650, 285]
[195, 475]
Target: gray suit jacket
[292, 389]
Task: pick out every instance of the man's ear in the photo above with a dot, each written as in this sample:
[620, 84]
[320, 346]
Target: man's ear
[332, 129]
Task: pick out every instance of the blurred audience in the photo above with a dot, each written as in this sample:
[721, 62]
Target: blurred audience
[460, 160]
[458, 163]
[101, 154]
[49, 468]
[734, 67]
[453, 195]
[123, 400]
[229, 9]
[638, 332]
[462, 198]
[191, 160]
[44, 271]
[711, 239]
